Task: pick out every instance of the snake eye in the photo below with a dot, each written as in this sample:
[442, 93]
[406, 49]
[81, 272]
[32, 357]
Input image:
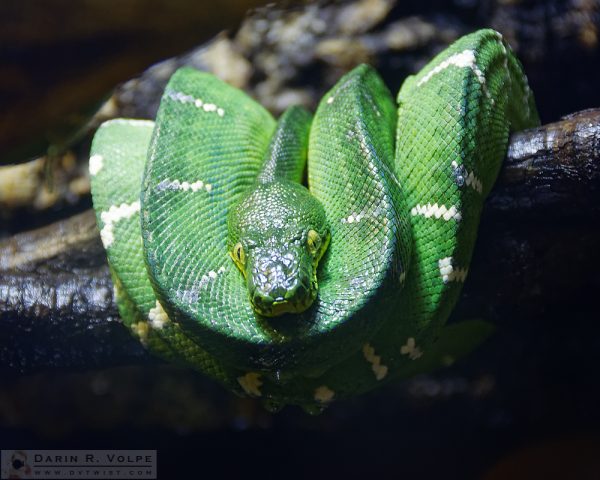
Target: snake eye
[313, 241]
[238, 255]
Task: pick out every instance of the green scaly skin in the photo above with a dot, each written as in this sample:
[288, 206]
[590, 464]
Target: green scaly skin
[395, 197]
[279, 254]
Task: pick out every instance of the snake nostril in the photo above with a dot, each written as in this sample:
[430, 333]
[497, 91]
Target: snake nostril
[278, 293]
[262, 302]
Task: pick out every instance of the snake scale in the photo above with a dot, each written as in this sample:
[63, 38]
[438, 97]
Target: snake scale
[224, 261]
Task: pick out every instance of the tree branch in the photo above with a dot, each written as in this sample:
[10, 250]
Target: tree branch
[537, 246]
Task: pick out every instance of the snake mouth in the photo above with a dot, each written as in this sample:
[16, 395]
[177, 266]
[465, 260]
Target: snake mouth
[274, 308]
[295, 301]
[281, 307]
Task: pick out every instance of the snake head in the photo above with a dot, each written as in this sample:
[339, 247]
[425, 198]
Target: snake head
[277, 235]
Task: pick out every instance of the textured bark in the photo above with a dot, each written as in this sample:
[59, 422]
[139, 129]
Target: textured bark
[536, 248]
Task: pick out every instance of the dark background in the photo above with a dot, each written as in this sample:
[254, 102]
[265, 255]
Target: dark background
[524, 405]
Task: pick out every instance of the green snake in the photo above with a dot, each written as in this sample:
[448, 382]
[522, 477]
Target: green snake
[308, 259]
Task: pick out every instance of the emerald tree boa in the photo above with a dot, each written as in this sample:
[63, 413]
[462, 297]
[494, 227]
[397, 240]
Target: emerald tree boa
[312, 258]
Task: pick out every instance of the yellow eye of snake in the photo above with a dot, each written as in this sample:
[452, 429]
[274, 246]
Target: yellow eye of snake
[238, 254]
[314, 241]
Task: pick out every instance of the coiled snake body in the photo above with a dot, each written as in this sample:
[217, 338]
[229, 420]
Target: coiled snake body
[332, 289]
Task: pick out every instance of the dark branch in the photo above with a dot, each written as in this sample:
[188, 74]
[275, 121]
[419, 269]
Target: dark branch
[536, 248]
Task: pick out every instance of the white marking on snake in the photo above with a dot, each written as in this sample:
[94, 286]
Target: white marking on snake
[113, 215]
[379, 370]
[212, 275]
[468, 177]
[251, 383]
[184, 186]
[464, 59]
[437, 211]
[96, 164]
[330, 100]
[449, 273]
[129, 121]
[157, 316]
[374, 167]
[324, 394]
[140, 329]
[196, 102]
[353, 218]
[411, 349]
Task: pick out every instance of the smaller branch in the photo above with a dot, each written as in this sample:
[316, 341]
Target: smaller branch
[552, 170]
